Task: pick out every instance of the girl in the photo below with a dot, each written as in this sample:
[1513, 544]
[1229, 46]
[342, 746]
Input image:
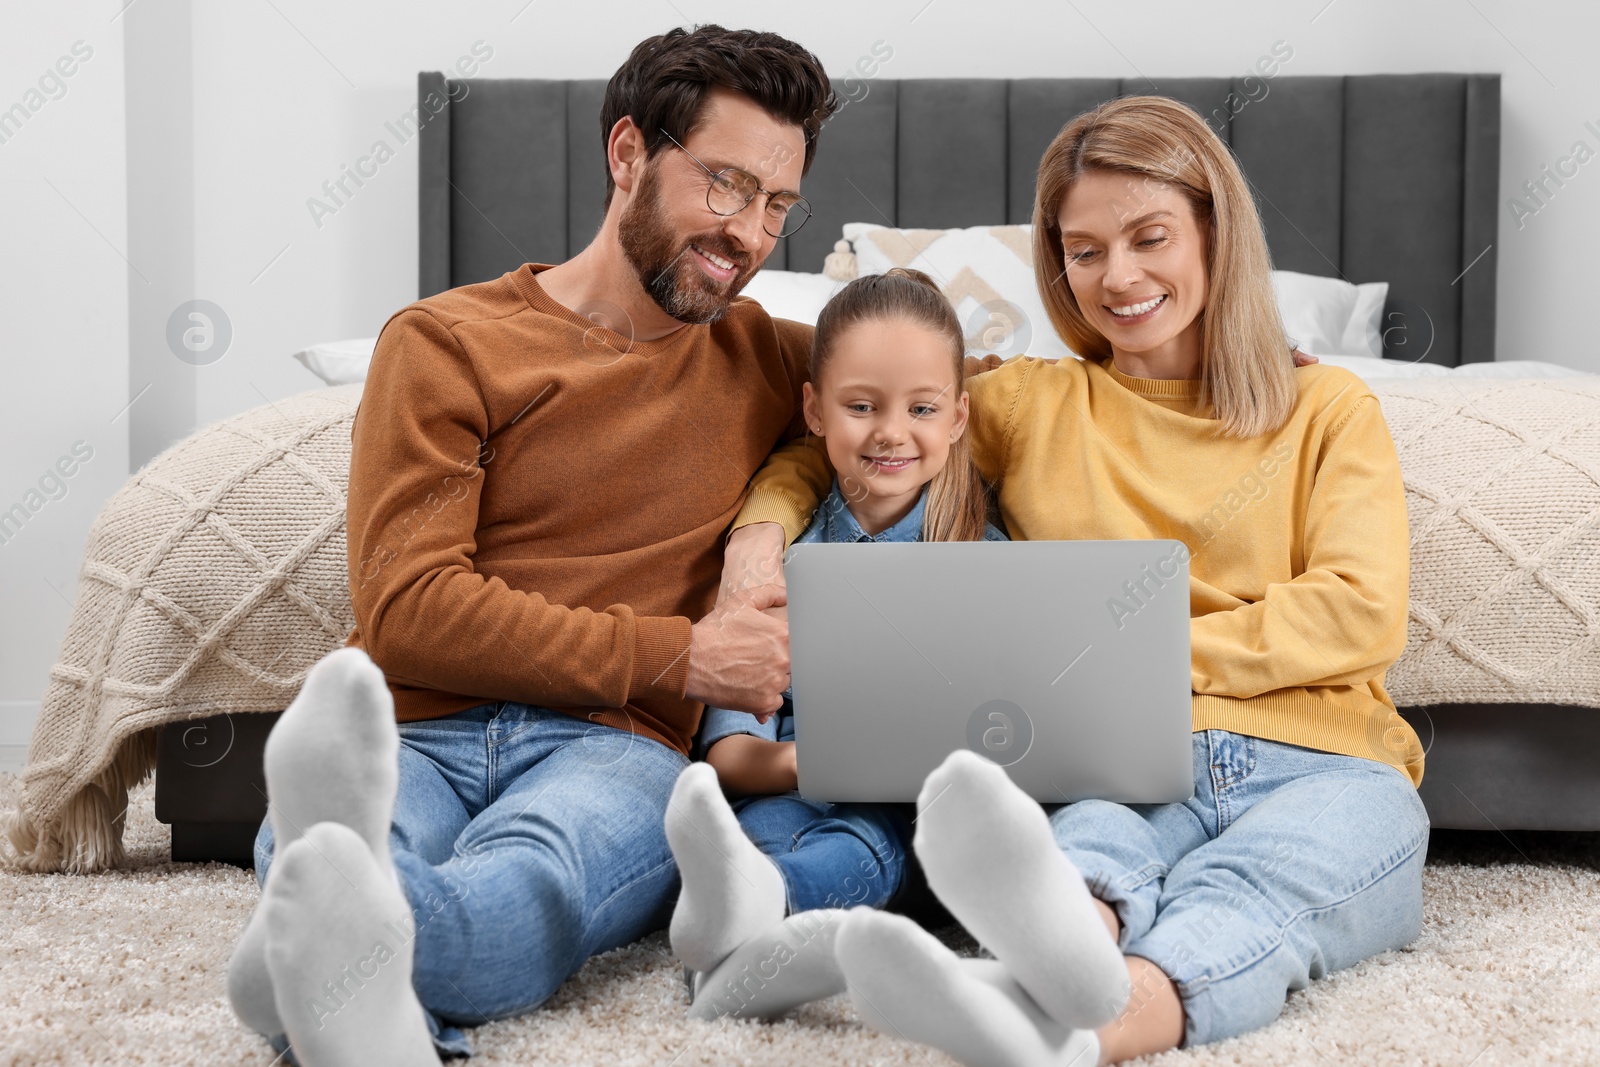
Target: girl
[1302, 849]
[885, 396]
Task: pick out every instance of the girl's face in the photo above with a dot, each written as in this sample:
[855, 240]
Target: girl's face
[889, 407]
[1136, 262]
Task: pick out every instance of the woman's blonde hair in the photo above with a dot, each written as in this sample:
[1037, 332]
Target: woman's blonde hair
[1247, 374]
[958, 504]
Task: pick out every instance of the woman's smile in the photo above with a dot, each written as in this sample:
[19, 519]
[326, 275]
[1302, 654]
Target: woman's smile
[1131, 314]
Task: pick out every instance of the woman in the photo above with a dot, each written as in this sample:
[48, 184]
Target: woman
[1301, 851]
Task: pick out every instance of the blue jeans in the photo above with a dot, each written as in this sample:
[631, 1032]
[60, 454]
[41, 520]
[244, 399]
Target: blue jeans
[831, 855]
[527, 841]
[1287, 864]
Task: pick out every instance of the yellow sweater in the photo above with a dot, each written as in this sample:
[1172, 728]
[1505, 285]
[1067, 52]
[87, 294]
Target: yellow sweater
[1298, 539]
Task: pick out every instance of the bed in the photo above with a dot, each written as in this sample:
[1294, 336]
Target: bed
[1366, 178]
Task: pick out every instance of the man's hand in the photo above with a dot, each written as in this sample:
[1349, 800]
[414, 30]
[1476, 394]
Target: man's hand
[739, 654]
[753, 557]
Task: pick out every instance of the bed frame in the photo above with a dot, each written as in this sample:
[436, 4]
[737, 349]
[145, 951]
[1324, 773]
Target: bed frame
[1371, 178]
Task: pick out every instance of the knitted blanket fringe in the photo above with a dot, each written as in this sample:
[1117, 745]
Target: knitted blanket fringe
[86, 835]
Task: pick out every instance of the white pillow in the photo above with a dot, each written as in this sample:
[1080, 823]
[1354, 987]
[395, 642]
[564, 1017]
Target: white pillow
[1330, 316]
[789, 294]
[339, 362]
[985, 271]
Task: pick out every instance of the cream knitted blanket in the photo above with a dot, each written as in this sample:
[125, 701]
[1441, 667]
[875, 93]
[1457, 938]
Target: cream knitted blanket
[1502, 485]
[217, 577]
[210, 584]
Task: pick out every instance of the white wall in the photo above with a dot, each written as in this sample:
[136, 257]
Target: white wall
[63, 325]
[281, 95]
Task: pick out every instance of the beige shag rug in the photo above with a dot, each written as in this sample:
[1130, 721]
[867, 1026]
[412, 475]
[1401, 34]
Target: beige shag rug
[126, 968]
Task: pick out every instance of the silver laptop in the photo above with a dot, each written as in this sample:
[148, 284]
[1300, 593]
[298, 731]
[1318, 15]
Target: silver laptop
[1066, 662]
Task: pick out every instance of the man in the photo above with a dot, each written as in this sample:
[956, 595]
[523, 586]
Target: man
[544, 467]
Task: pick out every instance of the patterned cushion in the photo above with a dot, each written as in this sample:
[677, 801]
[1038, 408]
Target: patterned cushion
[985, 271]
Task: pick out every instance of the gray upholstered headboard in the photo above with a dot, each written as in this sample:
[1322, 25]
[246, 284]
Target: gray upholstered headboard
[1371, 178]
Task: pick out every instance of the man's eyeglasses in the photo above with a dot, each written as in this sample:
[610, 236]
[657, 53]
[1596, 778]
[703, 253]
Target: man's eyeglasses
[732, 189]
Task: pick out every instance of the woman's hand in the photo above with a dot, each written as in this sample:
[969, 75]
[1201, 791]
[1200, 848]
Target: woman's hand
[1301, 359]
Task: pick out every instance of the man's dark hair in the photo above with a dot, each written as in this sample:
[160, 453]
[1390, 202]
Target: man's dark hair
[664, 81]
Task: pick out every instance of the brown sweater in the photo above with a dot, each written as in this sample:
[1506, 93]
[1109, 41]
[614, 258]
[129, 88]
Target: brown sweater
[538, 506]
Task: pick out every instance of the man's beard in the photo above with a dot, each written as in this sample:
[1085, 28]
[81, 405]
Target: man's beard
[664, 262]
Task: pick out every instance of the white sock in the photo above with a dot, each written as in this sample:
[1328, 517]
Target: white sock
[990, 857]
[333, 756]
[339, 940]
[907, 984]
[791, 964]
[731, 891]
